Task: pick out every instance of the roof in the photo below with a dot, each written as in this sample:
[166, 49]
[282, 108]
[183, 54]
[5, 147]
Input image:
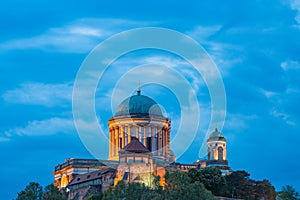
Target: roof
[137, 105]
[135, 146]
[216, 136]
[138, 178]
[80, 178]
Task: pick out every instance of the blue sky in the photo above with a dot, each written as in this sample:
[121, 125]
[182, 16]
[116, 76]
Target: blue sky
[255, 44]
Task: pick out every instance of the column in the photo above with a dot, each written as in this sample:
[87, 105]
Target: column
[155, 140]
[145, 135]
[141, 133]
[168, 140]
[114, 141]
[158, 141]
[126, 134]
[123, 136]
[110, 143]
[163, 143]
[129, 134]
[137, 132]
[152, 140]
[120, 137]
[117, 140]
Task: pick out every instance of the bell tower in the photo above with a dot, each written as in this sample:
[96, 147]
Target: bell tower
[216, 145]
[217, 153]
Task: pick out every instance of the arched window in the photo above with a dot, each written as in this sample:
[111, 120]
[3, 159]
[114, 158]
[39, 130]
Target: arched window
[220, 153]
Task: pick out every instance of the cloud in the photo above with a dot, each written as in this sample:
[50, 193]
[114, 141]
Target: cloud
[48, 95]
[283, 116]
[203, 32]
[290, 65]
[268, 94]
[46, 127]
[236, 122]
[295, 5]
[281, 104]
[223, 53]
[80, 36]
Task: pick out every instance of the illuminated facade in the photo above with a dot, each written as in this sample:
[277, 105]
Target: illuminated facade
[217, 152]
[139, 116]
[139, 147]
[216, 157]
[216, 146]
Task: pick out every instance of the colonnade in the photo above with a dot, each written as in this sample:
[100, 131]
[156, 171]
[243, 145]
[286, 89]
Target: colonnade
[216, 150]
[156, 138]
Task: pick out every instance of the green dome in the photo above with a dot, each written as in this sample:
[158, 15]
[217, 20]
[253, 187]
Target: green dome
[216, 136]
[138, 105]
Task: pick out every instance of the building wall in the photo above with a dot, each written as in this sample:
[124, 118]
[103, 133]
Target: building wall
[157, 130]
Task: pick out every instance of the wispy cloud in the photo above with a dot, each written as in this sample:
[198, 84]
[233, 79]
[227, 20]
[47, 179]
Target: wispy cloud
[267, 94]
[80, 36]
[48, 95]
[283, 116]
[42, 128]
[290, 65]
[203, 32]
[221, 52]
[295, 5]
[238, 121]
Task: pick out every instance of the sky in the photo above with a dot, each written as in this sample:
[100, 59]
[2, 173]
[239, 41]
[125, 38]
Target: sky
[254, 44]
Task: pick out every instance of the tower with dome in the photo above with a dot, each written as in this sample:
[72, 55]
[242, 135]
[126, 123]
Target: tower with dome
[141, 117]
[139, 148]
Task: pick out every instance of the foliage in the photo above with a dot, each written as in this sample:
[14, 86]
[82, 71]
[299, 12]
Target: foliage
[239, 185]
[180, 186]
[212, 179]
[195, 184]
[156, 183]
[33, 191]
[194, 175]
[52, 193]
[264, 189]
[95, 196]
[288, 193]
[130, 191]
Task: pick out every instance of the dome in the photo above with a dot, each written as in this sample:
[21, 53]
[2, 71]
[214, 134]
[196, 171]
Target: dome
[216, 136]
[138, 105]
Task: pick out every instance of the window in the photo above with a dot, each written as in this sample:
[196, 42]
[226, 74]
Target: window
[125, 177]
[149, 143]
[220, 153]
[120, 143]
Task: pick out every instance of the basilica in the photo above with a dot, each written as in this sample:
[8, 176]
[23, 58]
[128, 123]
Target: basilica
[139, 149]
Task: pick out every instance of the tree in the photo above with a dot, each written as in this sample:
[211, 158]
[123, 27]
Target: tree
[95, 197]
[264, 189]
[130, 191]
[52, 193]
[212, 179]
[288, 193]
[194, 175]
[239, 185]
[180, 186]
[33, 191]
